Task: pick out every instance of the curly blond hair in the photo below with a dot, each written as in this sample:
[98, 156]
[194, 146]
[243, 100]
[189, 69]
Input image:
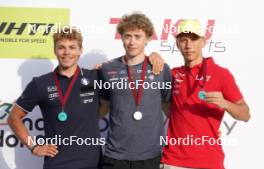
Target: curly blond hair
[135, 21]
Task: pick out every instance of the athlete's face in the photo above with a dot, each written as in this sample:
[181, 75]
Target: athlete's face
[68, 53]
[134, 42]
[190, 46]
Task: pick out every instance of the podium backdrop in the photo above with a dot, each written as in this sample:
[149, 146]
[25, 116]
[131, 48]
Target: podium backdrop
[234, 32]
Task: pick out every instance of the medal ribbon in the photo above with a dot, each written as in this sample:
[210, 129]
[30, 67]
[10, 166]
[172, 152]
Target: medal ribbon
[138, 95]
[204, 69]
[63, 99]
[201, 73]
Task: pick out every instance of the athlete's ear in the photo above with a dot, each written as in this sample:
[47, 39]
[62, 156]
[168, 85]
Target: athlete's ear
[80, 52]
[177, 42]
[148, 40]
[203, 42]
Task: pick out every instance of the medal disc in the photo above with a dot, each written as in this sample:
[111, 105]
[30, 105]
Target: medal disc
[62, 116]
[137, 115]
[201, 95]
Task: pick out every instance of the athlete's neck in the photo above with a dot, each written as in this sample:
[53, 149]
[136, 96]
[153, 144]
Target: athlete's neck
[134, 60]
[69, 72]
[192, 63]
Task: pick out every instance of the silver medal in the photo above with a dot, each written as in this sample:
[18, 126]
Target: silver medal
[137, 115]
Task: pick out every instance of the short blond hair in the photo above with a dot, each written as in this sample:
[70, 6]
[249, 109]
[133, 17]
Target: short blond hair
[71, 33]
[135, 21]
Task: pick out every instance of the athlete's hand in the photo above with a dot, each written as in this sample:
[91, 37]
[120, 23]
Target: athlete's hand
[216, 98]
[157, 62]
[46, 150]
